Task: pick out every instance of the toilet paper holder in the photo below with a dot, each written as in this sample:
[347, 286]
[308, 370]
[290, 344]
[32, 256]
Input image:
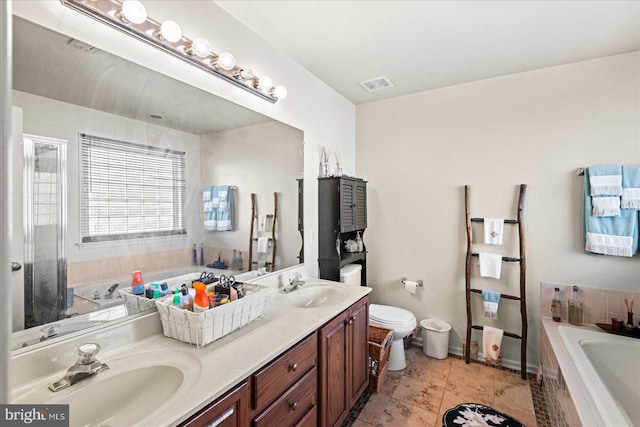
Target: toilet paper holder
[419, 282]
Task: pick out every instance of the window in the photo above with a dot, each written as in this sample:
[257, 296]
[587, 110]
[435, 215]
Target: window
[130, 191]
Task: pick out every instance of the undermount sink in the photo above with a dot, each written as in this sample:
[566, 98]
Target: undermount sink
[112, 398]
[316, 295]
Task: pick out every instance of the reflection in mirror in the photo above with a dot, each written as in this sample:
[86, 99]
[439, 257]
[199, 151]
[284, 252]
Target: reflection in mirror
[65, 88]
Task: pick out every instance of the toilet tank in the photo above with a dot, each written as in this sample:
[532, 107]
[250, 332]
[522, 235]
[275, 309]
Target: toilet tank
[350, 274]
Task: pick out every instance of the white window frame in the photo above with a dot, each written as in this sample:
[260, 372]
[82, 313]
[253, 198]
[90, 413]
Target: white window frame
[130, 191]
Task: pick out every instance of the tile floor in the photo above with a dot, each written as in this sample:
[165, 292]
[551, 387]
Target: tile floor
[421, 393]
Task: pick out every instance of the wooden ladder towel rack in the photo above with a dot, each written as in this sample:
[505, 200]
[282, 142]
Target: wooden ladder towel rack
[255, 233]
[522, 297]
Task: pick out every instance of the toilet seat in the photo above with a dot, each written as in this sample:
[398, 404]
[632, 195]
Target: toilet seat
[390, 315]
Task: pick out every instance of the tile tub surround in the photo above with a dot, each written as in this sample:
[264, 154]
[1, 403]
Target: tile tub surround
[242, 352]
[599, 305]
[82, 273]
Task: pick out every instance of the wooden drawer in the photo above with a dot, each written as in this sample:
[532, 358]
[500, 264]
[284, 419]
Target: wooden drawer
[282, 373]
[295, 406]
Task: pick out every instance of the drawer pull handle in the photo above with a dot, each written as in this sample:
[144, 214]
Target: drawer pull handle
[294, 367]
[293, 406]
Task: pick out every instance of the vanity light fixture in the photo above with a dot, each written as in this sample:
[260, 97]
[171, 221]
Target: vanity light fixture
[130, 17]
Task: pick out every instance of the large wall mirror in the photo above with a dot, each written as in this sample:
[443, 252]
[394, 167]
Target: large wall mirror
[67, 96]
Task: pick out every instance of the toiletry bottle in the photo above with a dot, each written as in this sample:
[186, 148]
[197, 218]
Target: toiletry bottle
[359, 243]
[186, 299]
[200, 301]
[195, 255]
[575, 308]
[239, 260]
[201, 253]
[556, 305]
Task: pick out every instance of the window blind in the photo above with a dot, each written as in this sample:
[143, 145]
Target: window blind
[130, 191]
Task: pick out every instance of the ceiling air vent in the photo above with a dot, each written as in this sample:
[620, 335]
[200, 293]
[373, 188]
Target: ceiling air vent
[82, 46]
[376, 84]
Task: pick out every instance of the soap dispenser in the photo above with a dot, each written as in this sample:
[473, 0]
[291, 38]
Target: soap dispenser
[359, 243]
[556, 306]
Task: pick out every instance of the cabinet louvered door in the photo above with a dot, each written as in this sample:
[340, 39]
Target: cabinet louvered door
[347, 206]
[353, 205]
[360, 208]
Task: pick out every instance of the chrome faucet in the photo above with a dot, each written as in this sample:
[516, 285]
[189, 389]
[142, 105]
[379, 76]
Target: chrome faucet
[86, 366]
[294, 283]
[110, 291]
[50, 331]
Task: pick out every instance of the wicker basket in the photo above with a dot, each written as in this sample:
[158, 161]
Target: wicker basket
[136, 303]
[380, 340]
[205, 327]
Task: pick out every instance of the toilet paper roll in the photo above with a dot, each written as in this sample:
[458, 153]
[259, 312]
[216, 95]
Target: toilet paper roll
[410, 286]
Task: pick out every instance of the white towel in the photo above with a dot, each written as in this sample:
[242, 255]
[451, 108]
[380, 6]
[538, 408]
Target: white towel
[491, 344]
[263, 244]
[490, 264]
[493, 229]
[605, 206]
[262, 223]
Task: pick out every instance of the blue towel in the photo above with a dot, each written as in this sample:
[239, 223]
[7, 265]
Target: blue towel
[218, 210]
[630, 187]
[491, 300]
[609, 235]
[605, 180]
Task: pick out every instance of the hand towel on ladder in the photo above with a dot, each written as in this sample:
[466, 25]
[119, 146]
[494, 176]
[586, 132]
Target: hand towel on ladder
[493, 229]
[630, 187]
[491, 345]
[608, 235]
[263, 244]
[491, 300]
[490, 264]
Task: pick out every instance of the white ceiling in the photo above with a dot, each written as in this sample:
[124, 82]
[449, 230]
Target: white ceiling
[423, 45]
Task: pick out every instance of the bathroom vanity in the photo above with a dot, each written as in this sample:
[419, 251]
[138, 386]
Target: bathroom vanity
[296, 365]
[317, 380]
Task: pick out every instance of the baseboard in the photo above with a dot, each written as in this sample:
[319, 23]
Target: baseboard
[457, 351]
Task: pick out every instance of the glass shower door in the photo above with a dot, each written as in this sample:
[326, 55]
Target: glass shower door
[45, 281]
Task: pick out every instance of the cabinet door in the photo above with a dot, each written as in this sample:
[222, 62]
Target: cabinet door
[360, 202]
[231, 410]
[357, 349]
[353, 205]
[333, 365]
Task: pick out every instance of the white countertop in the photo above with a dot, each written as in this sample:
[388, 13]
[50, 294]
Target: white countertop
[222, 364]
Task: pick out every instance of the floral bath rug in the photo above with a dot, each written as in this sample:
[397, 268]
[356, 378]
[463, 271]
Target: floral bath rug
[476, 415]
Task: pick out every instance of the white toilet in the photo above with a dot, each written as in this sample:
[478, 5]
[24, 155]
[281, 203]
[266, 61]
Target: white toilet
[402, 322]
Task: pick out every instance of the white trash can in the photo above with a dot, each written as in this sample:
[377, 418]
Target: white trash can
[435, 338]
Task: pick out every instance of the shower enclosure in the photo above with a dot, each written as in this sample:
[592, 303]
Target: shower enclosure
[44, 204]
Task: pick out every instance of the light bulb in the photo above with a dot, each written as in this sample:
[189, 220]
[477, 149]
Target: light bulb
[243, 74]
[280, 92]
[134, 11]
[264, 83]
[170, 31]
[200, 47]
[226, 61]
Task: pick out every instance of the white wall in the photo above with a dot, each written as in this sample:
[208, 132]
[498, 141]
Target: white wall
[251, 158]
[325, 117]
[538, 127]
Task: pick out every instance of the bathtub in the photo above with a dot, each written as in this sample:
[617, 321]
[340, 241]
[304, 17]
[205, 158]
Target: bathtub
[608, 369]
